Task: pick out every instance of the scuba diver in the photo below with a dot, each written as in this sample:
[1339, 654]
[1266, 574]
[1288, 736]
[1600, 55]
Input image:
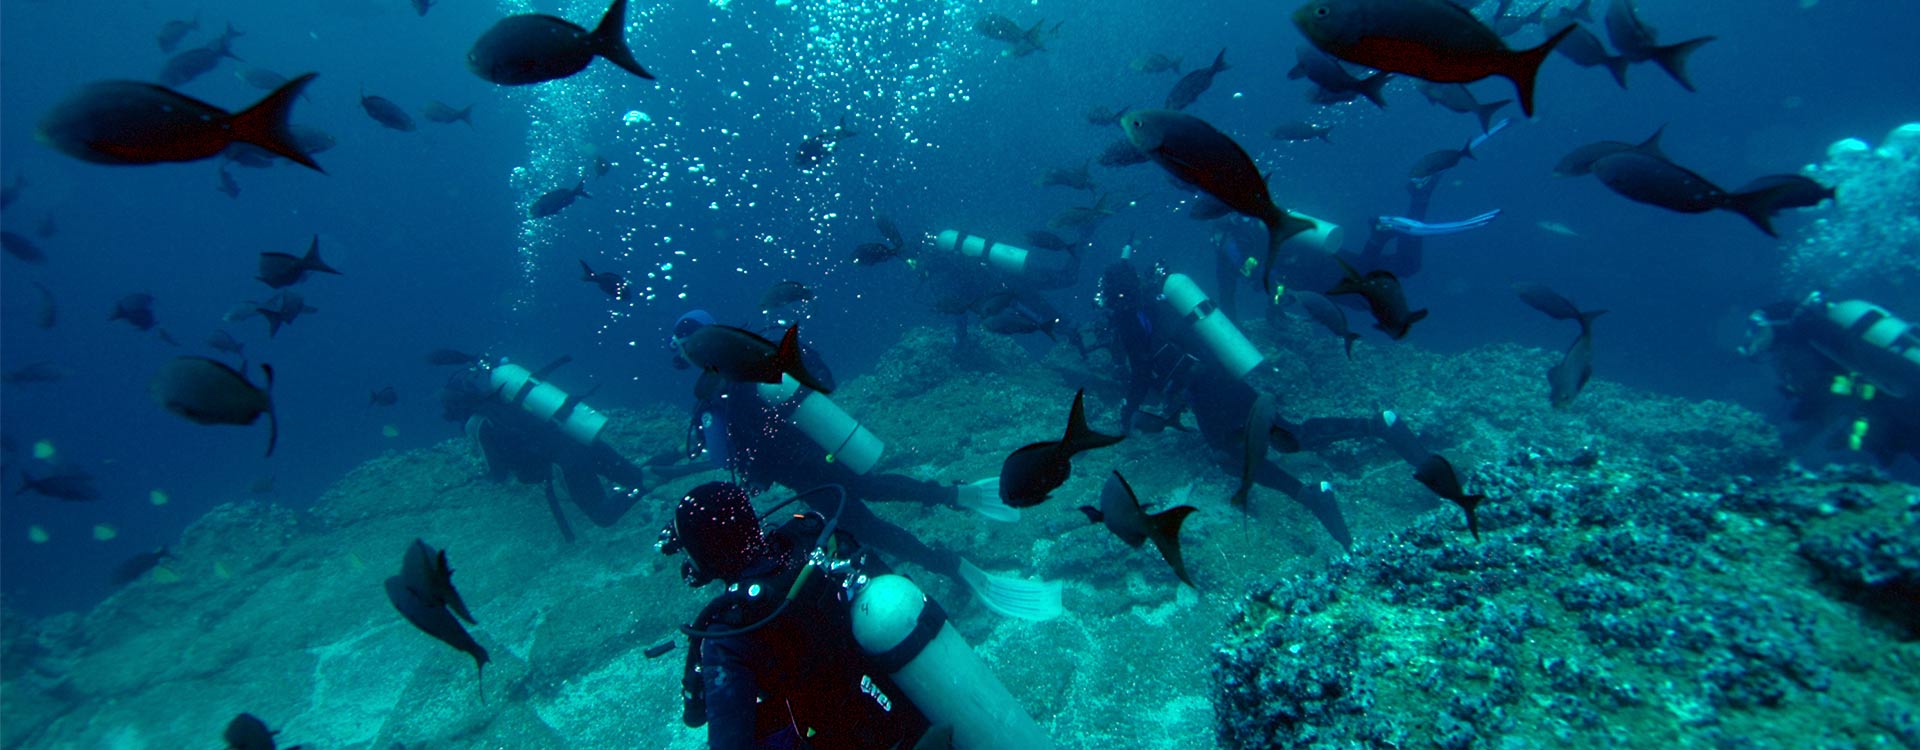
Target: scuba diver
[794, 436]
[526, 427]
[1179, 350]
[1851, 368]
[815, 644]
[971, 274]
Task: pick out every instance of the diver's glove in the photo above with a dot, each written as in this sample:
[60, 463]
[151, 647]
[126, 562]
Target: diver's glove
[983, 497]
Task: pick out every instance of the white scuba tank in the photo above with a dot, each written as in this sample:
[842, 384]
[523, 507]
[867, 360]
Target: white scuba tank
[1008, 259]
[1325, 237]
[1229, 347]
[900, 629]
[516, 385]
[1880, 347]
[845, 440]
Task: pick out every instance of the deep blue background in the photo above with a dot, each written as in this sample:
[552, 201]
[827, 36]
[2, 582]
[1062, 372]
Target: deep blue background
[428, 226]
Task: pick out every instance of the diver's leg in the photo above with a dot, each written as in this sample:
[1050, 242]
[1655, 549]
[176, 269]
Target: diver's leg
[896, 542]
[603, 509]
[1318, 499]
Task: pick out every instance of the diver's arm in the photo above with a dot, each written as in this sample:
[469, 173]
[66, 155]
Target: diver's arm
[730, 693]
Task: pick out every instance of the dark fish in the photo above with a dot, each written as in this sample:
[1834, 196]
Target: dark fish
[874, 253]
[125, 122]
[1300, 130]
[260, 78]
[1546, 300]
[194, 63]
[1433, 40]
[385, 112]
[1104, 116]
[1155, 63]
[1046, 240]
[817, 148]
[600, 165]
[889, 231]
[1381, 290]
[136, 566]
[1083, 218]
[446, 357]
[36, 372]
[1784, 191]
[1120, 511]
[1188, 89]
[445, 114]
[1580, 160]
[425, 571]
[609, 282]
[1635, 40]
[384, 397]
[1438, 475]
[11, 192]
[248, 733]
[20, 247]
[1198, 155]
[553, 201]
[1458, 98]
[208, 393]
[1336, 84]
[1327, 314]
[1013, 321]
[282, 270]
[173, 31]
[741, 356]
[1586, 51]
[67, 482]
[136, 309]
[421, 6]
[1570, 375]
[417, 607]
[282, 309]
[1439, 161]
[1506, 25]
[48, 313]
[785, 293]
[1034, 471]
[999, 28]
[221, 341]
[1121, 153]
[1646, 176]
[533, 48]
[1077, 177]
[227, 186]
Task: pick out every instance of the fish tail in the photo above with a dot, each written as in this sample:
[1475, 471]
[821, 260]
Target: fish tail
[313, 262]
[1673, 59]
[1471, 504]
[610, 40]
[587, 270]
[1351, 337]
[1417, 316]
[1080, 437]
[1522, 67]
[1220, 61]
[1757, 205]
[581, 189]
[1587, 318]
[265, 123]
[1164, 530]
[787, 360]
[1372, 87]
[1282, 227]
[1486, 112]
[273, 417]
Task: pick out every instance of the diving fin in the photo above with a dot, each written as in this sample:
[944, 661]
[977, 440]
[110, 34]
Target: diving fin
[1011, 596]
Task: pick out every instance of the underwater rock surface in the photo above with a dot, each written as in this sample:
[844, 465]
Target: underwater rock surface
[1652, 575]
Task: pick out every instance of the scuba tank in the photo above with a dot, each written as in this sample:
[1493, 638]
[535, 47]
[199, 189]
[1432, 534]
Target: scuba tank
[1229, 347]
[1867, 339]
[515, 385]
[1048, 269]
[845, 440]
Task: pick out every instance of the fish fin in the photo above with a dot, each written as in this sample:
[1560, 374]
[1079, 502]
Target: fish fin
[1586, 319]
[1405, 327]
[1756, 206]
[1373, 86]
[787, 360]
[581, 189]
[588, 270]
[1471, 504]
[1673, 59]
[1523, 66]
[1282, 439]
[1164, 532]
[273, 416]
[313, 262]
[610, 40]
[1220, 61]
[1093, 514]
[1486, 112]
[1351, 337]
[1618, 67]
[265, 123]
[1080, 437]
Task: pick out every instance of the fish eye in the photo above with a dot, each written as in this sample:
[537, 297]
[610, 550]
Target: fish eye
[1320, 11]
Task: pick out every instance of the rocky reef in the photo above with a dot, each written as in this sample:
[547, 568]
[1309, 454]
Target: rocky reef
[1652, 574]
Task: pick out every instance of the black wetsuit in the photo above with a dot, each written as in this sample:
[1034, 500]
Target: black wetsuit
[761, 447]
[798, 675]
[1808, 378]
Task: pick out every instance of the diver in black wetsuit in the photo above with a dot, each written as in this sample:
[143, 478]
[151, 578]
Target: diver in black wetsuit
[1196, 360]
[1852, 370]
[765, 441]
[520, 442]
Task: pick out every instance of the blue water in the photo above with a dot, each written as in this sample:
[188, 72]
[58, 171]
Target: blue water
[429, 227]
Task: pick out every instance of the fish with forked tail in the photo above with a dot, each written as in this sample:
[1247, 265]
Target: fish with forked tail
[1120, 511]
[1438, 475]
[1033, 472]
